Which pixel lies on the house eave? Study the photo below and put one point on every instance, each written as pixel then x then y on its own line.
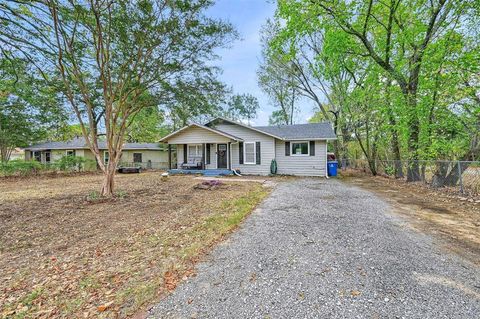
pixel 166 138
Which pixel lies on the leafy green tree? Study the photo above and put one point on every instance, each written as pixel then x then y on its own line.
pixel 278 85
pixel 407 58
pixel 396 35
pixel 28 106
pixel 242 107
pixel 147 126
pixel 115 58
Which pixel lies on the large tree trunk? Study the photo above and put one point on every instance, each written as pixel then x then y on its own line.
pixel 109 180
pixel 413 168
pixel 395 147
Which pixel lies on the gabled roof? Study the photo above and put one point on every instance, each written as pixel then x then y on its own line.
pixel 80 143
pixel 241 124
pixel 165 139
pixel 310 131
pixel 323 131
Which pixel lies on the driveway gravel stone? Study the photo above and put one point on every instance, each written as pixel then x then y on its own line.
pixel 320 248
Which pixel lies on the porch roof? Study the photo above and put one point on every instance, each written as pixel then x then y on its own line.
pixel 208 130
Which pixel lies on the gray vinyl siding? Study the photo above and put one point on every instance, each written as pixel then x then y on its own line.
pixel 267 149
pixel 301 165
pixel 197 135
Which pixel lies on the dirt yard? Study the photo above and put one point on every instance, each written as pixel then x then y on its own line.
pixel 66 253
pixel 453 219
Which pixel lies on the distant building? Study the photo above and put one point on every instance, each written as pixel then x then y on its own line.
pixel 147 155
pixel 17 154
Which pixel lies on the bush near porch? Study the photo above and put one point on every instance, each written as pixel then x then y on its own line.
pixel 66 253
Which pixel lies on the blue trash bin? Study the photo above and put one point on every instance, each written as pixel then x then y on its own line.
pixel 332 168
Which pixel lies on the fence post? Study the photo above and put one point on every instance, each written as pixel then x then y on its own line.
pixel 460 181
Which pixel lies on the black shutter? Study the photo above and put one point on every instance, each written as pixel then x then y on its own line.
pixel 185 153
pixel 287 148
pixel 257 145
pixel 240 152
pixel 312 148
pixel 208 153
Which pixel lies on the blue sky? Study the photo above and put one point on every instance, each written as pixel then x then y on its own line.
pixel 240 62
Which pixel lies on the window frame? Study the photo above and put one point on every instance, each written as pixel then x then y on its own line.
pixel 72 151
pixel 49 157
pixel 254 153
pixel 198 150
pixel 37 158
pixel 299 142
pixel 141 157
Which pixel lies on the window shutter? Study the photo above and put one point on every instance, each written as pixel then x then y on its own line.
pixel 208 153
pixel 287 148
pixel 240 152
pixel 257 152
pixel 312 148
pixel 185 150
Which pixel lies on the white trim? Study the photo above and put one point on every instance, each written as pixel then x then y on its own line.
pixel 245 153
pixel 216 156
pixel 298 142
pixel 165 139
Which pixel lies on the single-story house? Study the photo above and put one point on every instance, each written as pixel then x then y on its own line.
pixel 147 155
pixel 223 144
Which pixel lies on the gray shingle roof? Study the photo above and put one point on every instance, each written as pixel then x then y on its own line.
pixel 79 143
pixel 322 130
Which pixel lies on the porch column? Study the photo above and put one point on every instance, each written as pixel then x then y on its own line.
pixel 229 162
pixel 203 155
pixel 169 156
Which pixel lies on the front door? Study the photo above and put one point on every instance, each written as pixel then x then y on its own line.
pixel 221 155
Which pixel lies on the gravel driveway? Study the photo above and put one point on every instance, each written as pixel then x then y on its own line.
pixel 320 248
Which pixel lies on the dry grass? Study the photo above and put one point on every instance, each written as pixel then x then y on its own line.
pixel 64 253
pixel 451 218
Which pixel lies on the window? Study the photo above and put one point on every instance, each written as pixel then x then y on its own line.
pixel 37 156
pixel 249 150
pixel 70 152
pixel 300 148
pixel 47 157
pixel 194 150
pixel 106 157
pixel 137 157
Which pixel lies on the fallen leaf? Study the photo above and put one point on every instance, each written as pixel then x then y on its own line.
pixel 104 307
pixel 355 293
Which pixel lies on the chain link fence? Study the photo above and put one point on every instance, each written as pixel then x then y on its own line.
pixel 454 176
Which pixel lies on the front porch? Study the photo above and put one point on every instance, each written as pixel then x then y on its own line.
pixel 204 172
pixel 200 150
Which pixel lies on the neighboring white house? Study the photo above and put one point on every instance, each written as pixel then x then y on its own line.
pixel 224 144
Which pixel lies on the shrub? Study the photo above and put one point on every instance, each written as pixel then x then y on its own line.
pixel 390 170
pixel 20 167
pixel 71 163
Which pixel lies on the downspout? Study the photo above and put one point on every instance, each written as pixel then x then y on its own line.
pixel 326 159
